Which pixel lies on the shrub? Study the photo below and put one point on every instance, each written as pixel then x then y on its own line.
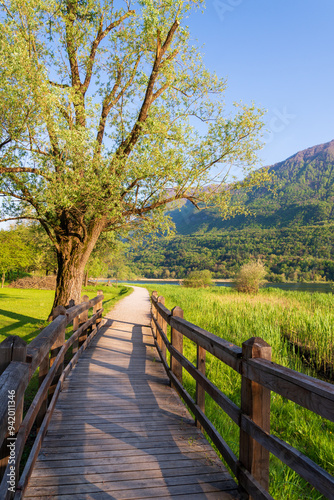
pixel 250 277
pixel 198 279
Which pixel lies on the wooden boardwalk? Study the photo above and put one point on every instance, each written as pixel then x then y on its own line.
pixel 119 431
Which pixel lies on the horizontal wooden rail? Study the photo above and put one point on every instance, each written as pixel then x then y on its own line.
pixel 259 376
pixel 16 376
pixel 311 393
pixel 229 353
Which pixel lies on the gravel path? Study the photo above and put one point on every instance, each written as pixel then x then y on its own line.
pixel 134 308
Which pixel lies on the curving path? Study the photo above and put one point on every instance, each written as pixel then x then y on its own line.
pixel 119 431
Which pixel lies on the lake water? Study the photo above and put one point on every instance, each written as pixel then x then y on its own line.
pixel 301 287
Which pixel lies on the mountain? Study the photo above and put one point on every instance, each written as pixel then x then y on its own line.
pixel 304 194
pixel 291 231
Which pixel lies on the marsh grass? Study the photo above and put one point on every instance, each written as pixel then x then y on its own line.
pixel 271 314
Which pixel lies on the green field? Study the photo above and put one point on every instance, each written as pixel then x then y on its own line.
pixel 272 314
pixel 24 312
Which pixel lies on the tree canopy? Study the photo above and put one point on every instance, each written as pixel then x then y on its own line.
pixel 100 102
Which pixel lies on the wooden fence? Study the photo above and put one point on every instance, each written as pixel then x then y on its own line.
pixel 18 363
pixel 259 376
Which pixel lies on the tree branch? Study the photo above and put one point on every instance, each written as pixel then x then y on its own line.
pixel 126 147
pixel 15 170
pixel 131 186
pixel 70 44
pixel 5 142
pixel 99 37
pixel 111 100
pixel 19 218
pixel 59 85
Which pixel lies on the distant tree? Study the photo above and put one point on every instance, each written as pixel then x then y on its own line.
pixel 14 254
pixel 198 279
pixel 250 277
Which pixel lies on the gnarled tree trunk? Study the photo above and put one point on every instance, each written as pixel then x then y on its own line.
pixel 72 257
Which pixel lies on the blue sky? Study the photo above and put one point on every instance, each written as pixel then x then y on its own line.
pixel 279 54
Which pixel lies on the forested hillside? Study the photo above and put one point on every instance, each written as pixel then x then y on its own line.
pixel 291 228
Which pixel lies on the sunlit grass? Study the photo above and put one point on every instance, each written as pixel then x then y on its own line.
pixel 272 315
pixel 24 312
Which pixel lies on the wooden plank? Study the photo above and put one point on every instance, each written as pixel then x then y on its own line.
pixel 296 460
pixel 75 484
pixel 43 371
pixel 221 399
pixel 313 394
pixel 227 352
pixel 255 404
pixel 14 378
pixel 117 416
pixel 75 311
pixel 200 392
pixel 177 343
pixel 41 345
pixel 249 484
pixel 126 450
pixel 138 493
pixel 162 310
pixel 120 441
pixel 15 351
pixel 43 467
pixel 138 427
pixel 230 495
pixel 200 472
pixel 98 468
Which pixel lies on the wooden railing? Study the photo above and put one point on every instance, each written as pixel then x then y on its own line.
pixel 18 363
pixel 259 376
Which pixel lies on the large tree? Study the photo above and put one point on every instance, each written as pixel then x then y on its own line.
pixel 100 101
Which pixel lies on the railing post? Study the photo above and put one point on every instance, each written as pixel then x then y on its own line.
pixel 200 392
pixel 163 326
pixel 59 310
pixel 43 371
pixel 99 306
pixel 153 312
pixel 82 319
pixel 96 307
pixel 13 348
pixel 177 343
pixel 255 403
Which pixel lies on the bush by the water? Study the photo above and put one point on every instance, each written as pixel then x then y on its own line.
pixel 198 279
pixel 250 277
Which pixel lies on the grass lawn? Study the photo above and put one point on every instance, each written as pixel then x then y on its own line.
pixel 24 312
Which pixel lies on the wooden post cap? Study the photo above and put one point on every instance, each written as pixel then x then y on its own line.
pixel 177 311
pixel 256 348
pixel 84 298
pixel 57 311
pixel 161 299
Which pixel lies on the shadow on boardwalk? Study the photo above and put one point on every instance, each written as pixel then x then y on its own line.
pixel 119 431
